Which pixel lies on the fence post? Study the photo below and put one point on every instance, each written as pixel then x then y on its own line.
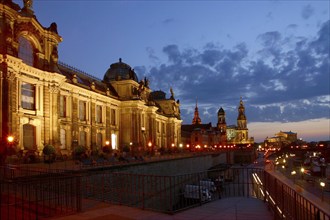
pixel 78 193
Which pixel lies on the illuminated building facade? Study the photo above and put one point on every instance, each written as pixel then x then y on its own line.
pixel 281 139
pixel 44 101
pixel 204 135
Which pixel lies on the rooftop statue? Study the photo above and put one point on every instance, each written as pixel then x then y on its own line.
pixel 28 4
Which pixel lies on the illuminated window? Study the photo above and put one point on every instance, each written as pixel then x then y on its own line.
pixel 28 92
pixel 29 139
pixel 114 141
pixel 63 106
pixel 25 50
pixel 82 110
pixel 99 114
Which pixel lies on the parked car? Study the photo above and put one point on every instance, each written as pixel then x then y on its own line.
pixel 197 193
pixel 208 184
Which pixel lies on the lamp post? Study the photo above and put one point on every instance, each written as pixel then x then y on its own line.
pixel 293 173
pixel 150 148
pixel 302 170
pixel 322 184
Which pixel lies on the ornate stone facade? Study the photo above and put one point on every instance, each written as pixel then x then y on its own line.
pixel 43 101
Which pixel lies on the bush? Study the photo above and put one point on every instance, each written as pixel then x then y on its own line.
pixel 126 149
pixel 106 150
pixel 78 151
pixel 48 150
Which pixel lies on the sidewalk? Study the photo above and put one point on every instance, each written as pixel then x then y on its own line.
pixel 226 209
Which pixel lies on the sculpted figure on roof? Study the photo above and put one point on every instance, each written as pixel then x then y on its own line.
pixel 28 4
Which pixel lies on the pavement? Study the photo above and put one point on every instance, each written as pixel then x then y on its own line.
pixel 228 209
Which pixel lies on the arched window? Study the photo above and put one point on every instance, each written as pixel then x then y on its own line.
pixel 25 50
pixel 29 139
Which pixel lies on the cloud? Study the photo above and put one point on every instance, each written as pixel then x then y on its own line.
pixel 168 21
pixel 287 79
pixel 307 12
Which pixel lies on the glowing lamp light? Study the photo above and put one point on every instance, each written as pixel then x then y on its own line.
pixel 322 184
pixel 10 139
pixel 302 170
pixel 180 145
pixel 172 144
pixel 187 145
pixel 149 144
pixel 107 143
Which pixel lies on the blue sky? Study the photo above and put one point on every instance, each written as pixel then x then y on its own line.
pixel 274 54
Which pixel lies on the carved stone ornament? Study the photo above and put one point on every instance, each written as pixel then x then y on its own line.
pixel 54 89
pixel 11 75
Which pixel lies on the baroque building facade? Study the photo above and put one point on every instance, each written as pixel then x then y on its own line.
pixel 198 135
pixel 44 101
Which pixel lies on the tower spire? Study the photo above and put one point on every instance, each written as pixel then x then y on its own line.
pixel 196 120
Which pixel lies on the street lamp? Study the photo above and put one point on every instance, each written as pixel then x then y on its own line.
pixel 322 184
pixel 293 173
pixel 302 170
pixel 10 139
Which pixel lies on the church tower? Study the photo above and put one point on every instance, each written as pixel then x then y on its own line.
pixel 196 120
pixel 242 130
pixel 222 125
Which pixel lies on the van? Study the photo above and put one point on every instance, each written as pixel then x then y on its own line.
pixel 208 184
pixel 197 192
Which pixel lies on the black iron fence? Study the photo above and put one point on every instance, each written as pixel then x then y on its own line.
pixel 28 194
pixel 40 194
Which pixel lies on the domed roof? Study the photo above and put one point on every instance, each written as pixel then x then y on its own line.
pixel 119 71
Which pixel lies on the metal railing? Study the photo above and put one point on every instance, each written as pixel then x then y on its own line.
pixel 28 194
pixel 39 194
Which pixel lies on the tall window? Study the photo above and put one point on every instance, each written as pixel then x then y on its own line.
pixel 99 139
pixel 28 92
pixel 82 111
pixel 99 114
pixel 63 106
pixel 25 50
pixel 63 139
pixel 29 139
pixel 113 117
pixel 83 137
pixel 114 141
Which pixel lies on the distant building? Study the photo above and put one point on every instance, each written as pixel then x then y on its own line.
pixel 281 139
pixel 205 135
pixel 43 101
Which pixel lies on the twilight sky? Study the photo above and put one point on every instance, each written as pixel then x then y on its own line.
pixel 274 54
